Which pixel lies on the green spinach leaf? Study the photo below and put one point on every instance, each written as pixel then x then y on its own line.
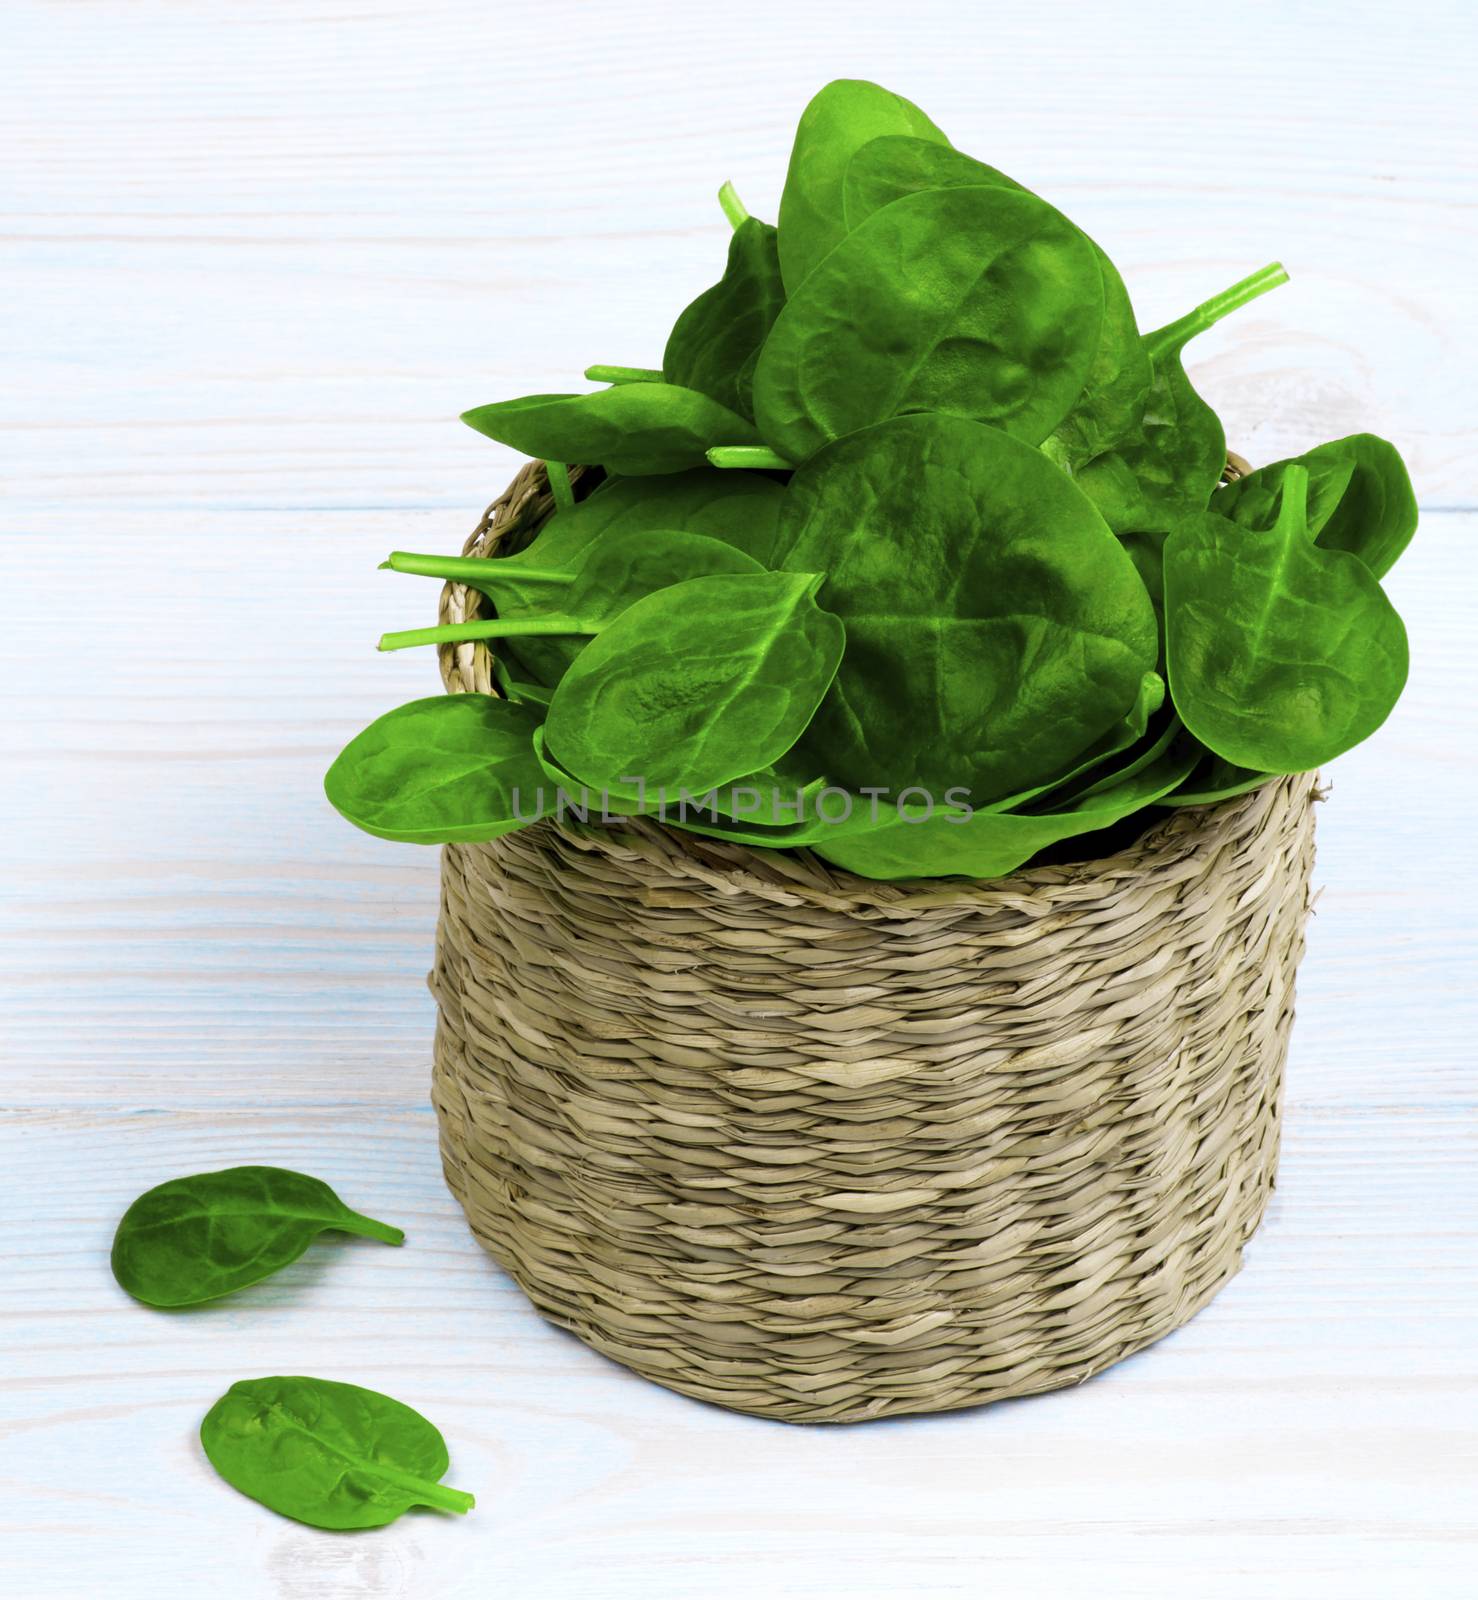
pixel 840 119
pixel 332 1455
pixel 1360 499
pixel 454 768
pixel 1213 779
pixel 195 1239
pixel 981 303
pixel 995 627
pixel 632 428
pixel 1168 468
pixel 697 684
pixel 1114 392
pixel 715 342
pixel 1282 654
pixel 935 843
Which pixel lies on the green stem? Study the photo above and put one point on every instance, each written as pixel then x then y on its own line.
pixel 1293 509
pixel 559 485
pixel 1206 315
pixel 728 198
pixel 622 375
pixel 442 1497
pixel 496 628
pixel 757 456
pixel 368 1228
pixel 475 571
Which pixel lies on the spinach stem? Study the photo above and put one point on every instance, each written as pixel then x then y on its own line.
pixel 368 1228
pixel 496 628
pixel 475 571
pixel 748 455
pixel 622 375
pixel 728 198
pixel 1293 509
pixel 1206 315
pixel 559 485
pixel 442 1497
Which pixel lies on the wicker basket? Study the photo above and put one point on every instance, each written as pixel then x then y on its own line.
pixel 828 1149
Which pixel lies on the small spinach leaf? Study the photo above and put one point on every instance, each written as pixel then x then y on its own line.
pixel 1360 499
pixel 456 768
pixel 332 1455
pixel 982 303
pixel 1281 654
pixel 716 341
pixel 197 1238
pixel 632 428
pixel 697 684
pixel 840 119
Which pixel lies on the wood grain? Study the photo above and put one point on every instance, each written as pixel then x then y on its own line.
pixel 259 258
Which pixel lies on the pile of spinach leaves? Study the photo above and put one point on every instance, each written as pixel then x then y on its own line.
pixel 915 527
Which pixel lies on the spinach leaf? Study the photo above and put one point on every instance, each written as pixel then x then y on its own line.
pixel 840 119
pixel 995 627
pixel 332 1455
pixel 751 809
pixel 631 428
pixel 716 341
pixel 1282 654
pixel 982 303
pixel 697 684
pixel 1168 468
pixel 986 844
pixel 1097 765
pixel 1213 779
pixel 609 578
pixel 1118 381
pixel 1360 499
pixel 195 1239
pixel 453 768
pixel 741 508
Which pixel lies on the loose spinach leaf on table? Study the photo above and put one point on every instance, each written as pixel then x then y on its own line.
pixel 995 627
pixel 715 342
pixel 1113 396
pixel 982 303
pixel 332 1455
pixel 840 119
pixel 633 428
pixel 197 1238
pixel 1281 654
pixel 1360 499
pixel 449 769
pixel 697 684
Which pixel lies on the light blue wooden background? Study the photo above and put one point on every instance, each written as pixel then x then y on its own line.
pixel 255 259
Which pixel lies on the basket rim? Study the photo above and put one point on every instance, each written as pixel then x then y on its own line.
pixel 795 874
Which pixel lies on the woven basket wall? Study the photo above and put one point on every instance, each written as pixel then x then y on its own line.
pixel 822 1148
